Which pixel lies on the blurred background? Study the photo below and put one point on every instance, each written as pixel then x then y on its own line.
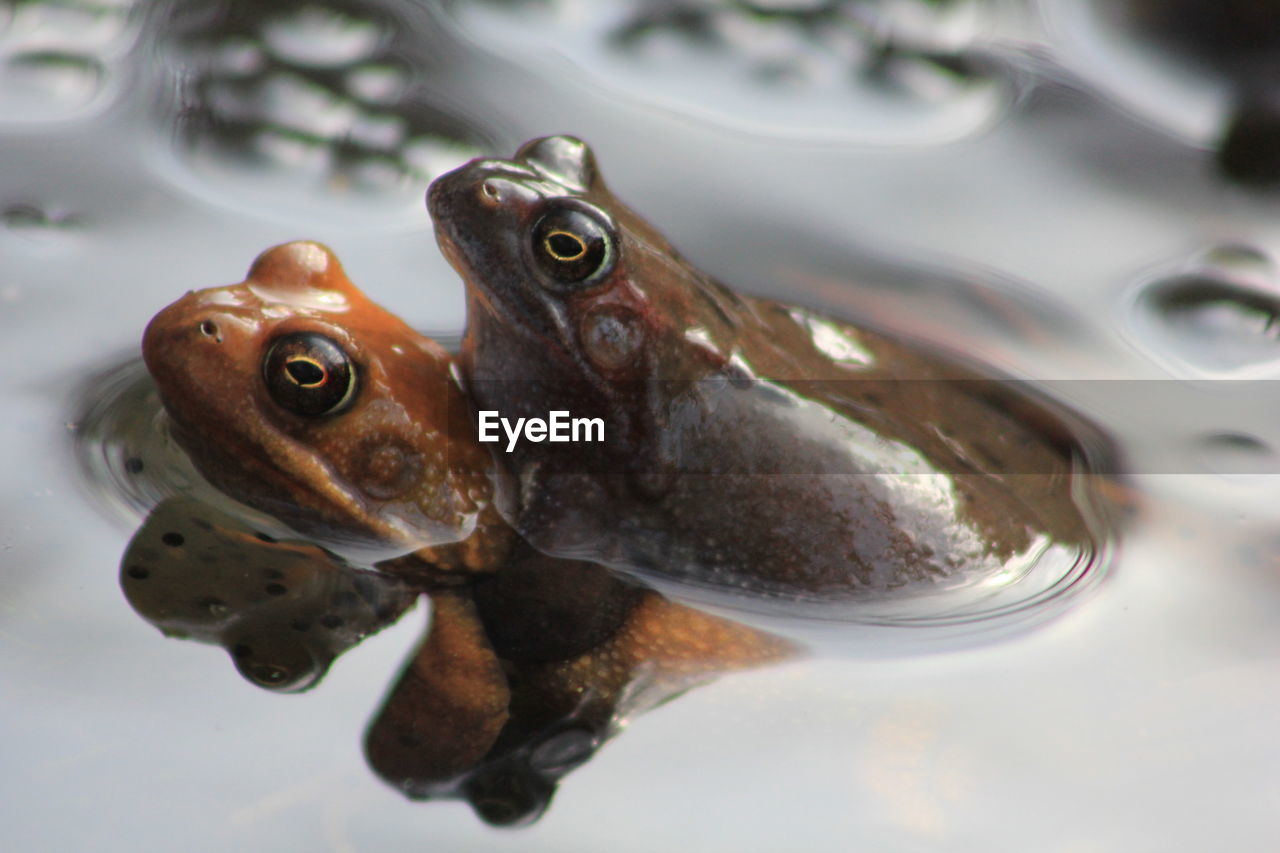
pixel 1084 195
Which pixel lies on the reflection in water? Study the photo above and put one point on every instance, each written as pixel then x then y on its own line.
pixel 283 610
pixel 521 681
pixel 518 680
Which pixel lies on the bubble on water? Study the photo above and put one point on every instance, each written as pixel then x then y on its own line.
pixel 85 27
pixel 281 113
pixel 321 38
pixel 384 131
pixel 1218 316
pixel 372 173
pixel 239 57
pixel 295 103
pixel 1242 260
pixel 1238 457
pixel 895 71
pixel 57 58
pixel 44 85
pixel 377 84
pixel 33 219
pixel 293 150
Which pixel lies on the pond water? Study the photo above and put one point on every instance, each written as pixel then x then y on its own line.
pixel 1055 189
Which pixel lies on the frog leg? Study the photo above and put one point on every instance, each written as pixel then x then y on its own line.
pixel 447 708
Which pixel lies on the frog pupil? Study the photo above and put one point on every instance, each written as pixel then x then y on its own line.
pixel 572 245
pixel 305 371
pixel 564 246
pixel 309 374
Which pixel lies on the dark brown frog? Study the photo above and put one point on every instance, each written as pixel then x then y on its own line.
pixel 753 450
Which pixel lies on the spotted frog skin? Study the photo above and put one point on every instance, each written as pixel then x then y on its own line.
pixel 758 452
pixel 296 395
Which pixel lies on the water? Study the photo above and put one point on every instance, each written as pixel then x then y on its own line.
pixel 1053 207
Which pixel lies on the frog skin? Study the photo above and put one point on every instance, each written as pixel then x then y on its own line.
pixel 521 647
pixel 757 454
pixel 369 445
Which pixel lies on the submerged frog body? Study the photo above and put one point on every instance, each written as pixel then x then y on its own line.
pixel 296 395
pixel 522 678
pixel 754 450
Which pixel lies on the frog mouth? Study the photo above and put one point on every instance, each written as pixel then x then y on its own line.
pixel 451 252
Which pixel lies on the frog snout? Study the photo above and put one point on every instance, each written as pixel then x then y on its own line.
pixel 482 188
pixel 188 330
pixel 458 193
pixel 183 323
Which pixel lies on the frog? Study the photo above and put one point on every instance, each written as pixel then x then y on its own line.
pixel 286 391
pixel 759 455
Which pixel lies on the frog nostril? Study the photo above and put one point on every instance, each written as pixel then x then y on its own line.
pixel 209 329
pixel 490 192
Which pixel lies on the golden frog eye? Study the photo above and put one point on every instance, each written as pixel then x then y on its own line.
pixel 573 246
pixel 309 374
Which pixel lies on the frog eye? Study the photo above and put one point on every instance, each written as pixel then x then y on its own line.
pixel 309 374
pixel 573 246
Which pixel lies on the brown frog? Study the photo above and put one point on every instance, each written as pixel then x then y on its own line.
pixel 295 394
pixel 758 453
pixel 288 391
